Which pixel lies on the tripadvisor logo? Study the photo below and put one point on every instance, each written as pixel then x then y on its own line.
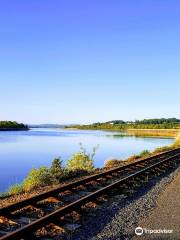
pixel 139 231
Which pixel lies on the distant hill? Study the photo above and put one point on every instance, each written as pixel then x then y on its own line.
pixel 147 121
pixel 49 125
pixel 46 125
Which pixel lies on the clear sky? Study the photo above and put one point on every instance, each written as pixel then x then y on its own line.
pixel 67 61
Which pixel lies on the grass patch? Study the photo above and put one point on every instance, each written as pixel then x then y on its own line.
pixel 4 195
pixel 112 163
pixel 144 153
pixel 177 142
pixel 162 149
pixel 15 189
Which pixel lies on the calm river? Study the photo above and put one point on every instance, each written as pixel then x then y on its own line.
pixel 20 151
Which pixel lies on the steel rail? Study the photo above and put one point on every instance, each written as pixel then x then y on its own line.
pixel 74 206
pixel 32 200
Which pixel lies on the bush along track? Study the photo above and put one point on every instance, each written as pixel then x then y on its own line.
pixel 50 213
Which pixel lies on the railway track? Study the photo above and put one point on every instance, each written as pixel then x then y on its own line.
pixel 24 219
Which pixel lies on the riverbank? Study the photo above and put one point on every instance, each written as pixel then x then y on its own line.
pixel 80 164
pixel 153 132
pixel 164 133
pixel 97 215
pixel 130 208
pixel 43 179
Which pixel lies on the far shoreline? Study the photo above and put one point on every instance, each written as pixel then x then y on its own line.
pixel 14 129
pixel 162 133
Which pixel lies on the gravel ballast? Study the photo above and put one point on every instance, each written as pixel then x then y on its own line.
pixel 118 218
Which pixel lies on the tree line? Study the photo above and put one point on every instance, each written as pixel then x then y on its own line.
pixel 12 125
pixel 161 123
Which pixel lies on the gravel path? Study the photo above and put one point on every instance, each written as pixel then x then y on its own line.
pixel 166 214
pixel 117 219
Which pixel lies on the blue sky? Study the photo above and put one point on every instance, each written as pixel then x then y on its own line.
pixel 66 61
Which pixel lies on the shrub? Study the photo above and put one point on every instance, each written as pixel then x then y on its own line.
pixel 15 189
pixel 37 178
pixel 177 141
pixel 132 158
pixel 162 149
pixel 82 160
pixel 144 153
pixel 112 163
pixel 56 170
